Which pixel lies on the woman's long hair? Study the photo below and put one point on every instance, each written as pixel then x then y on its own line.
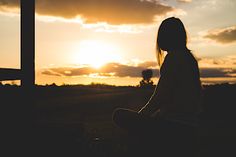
pixel 171 36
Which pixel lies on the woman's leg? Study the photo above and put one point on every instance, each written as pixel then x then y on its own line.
pixel 132 122
pixel 145 133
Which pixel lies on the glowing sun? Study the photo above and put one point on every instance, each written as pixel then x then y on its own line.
pixel 96 53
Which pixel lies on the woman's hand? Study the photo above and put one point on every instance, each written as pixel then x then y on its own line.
pixel 144 111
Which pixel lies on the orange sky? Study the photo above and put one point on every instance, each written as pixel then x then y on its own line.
pixel 83 41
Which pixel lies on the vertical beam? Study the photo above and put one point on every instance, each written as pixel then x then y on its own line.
pixel 25 115
pixel 28 43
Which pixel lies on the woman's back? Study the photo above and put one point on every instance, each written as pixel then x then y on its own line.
pixel 184 98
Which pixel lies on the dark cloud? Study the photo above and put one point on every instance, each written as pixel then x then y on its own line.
pixel 10 3
pixel 93 11
pixel 184 1
pixel 49 72
pixel 121 70
pixel 217 72
pixel 111 69
pixel 224 36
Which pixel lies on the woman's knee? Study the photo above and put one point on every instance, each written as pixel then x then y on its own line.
pixel 123 117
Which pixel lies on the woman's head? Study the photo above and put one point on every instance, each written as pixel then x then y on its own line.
pixel 171 36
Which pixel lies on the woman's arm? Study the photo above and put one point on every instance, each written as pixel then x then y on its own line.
pixel 151 105
pixel 164 89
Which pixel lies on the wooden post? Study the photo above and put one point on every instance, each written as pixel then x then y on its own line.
pixel 28 43
pixel 26 115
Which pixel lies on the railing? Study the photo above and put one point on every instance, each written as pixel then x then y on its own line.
pixel 27 72
pixel 10 74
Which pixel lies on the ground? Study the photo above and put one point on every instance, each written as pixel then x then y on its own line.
pixel 77 120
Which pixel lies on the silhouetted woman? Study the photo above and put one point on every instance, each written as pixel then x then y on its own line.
pixel 176 99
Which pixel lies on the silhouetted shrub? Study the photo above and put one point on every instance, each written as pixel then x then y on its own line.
pixel 146 81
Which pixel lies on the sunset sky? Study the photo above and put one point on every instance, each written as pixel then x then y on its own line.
pixel 112 41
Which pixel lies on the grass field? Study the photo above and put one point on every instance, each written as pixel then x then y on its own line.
pixel 77 120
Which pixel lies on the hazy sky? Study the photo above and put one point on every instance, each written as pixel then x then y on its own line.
pixel 112 41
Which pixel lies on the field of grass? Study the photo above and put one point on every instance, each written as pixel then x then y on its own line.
pixel 90 106
pixel 77 120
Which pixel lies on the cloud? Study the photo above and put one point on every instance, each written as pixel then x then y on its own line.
pixel 114 12
pixel 223 67
pixel 122 70
pixel 223 36
pixel 10 3
pixel 217 72
pixel 51 73
pixel 108 70
pixel 149 64
pixel 184 1
pixel 220 62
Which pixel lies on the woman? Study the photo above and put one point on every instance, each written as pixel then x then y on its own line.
pixel 176 98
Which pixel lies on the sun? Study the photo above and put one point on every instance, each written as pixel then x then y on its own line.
pixel 96 53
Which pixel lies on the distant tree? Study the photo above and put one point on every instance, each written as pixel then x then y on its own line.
pixel 53 85
pixel 146 81
pixel 64 84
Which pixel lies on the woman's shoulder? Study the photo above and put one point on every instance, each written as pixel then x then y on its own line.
pixel 172 59
pixel 185 57
pixel 179 60
pixel 169 63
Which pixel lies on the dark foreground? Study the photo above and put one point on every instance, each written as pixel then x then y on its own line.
pixel 76 121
